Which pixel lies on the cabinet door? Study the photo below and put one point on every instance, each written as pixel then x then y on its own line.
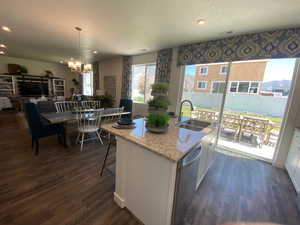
pixel 293 160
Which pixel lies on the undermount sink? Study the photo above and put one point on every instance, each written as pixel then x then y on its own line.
pixel 195 125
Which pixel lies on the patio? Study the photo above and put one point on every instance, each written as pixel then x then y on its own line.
pixel 246 135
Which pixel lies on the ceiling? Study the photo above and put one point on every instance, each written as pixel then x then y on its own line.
pixel 44 30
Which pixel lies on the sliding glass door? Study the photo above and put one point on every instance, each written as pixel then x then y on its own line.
pixel 247 99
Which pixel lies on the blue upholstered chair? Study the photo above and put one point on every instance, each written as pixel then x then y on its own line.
pixel 127 104
pixel 39 128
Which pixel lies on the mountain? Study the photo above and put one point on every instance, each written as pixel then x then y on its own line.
pixel 271 85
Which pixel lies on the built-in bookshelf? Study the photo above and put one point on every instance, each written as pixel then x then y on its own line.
pixel 59 87
pixel 32 86
pixel 7 85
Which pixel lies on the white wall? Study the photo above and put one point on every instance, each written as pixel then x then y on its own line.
pixel 36 67
pixel 292 116
pixel 112 67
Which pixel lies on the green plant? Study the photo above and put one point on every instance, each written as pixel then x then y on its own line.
pixel 157 120
pixel 107 101
pixel 158 103
pixel 160 87
pixel 75 82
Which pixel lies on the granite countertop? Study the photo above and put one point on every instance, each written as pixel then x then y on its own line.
pixel 173 144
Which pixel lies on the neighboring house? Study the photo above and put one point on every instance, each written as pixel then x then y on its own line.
pixel 245 77
pixel 188 85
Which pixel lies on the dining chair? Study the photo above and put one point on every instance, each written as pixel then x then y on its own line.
pixel 67 106
pixel 91 104
pixel 46 107
pixel 88 123
pixel 40 128
pixel 107 114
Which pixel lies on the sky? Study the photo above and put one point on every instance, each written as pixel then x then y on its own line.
pixel 277 69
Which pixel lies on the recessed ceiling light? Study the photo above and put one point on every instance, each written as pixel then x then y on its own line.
pixel 2 53
pixel 200 22
pixel 61 61
pixel 95 52
pixel 5 28
pixel 2 46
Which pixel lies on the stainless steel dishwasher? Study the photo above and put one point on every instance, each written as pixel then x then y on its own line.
pixel 186 182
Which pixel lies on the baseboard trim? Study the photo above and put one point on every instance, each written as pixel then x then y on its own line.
pixel 120 202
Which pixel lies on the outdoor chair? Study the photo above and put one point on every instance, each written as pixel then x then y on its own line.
pixel 231 123
pixel 255 128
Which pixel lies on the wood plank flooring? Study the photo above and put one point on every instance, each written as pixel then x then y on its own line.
pixel 241 189
pixel 59 187
pixel 62 187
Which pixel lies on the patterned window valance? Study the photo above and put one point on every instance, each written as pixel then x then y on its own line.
pixel 163 65
pixel 126 77
pixel 273 44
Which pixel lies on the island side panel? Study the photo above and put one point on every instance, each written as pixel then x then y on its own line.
pixel 145 183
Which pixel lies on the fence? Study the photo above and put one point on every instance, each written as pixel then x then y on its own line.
pixel 265 105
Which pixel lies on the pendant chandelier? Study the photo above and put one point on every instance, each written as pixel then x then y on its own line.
pixel 78 66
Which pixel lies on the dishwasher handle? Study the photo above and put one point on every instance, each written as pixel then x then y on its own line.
pixel 193 159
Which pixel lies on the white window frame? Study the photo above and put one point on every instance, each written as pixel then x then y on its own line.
pixel 221 68
pixel 203 74
pixel 212 85
pixel 145 64
pixel 250 82
pixel 90 73
pixel 205 82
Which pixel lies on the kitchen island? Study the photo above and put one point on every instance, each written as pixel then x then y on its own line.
pixel 148 165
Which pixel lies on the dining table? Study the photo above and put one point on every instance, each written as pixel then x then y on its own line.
pixel 70 116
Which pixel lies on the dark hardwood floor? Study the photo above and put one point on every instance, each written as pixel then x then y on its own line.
pixel 58 187
pixel 62 187
pixel 241 189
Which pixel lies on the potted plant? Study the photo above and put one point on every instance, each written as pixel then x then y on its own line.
pixel 157 123
pixel 157 107
pixel 159 103
pixel 106 101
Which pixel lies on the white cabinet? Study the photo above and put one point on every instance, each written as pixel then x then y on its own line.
pixel 7 85
pixel 59 87
pixel 207 156
pixel 293 160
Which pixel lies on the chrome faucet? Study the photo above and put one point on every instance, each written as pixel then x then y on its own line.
pixel 180 111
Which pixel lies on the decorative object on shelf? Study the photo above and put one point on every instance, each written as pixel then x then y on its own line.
pixel 79 66
pixel 48 73
pixel 13 68
pixel 23 70
pixel 157 120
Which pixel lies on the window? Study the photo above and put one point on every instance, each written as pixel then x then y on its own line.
pixel 223 69
pixel 234 86
pixel 87 79
pixel 202 85
pixel 254 87
pixel 203 70
pixel 218 87
pixel 143 77
pixel 244 87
